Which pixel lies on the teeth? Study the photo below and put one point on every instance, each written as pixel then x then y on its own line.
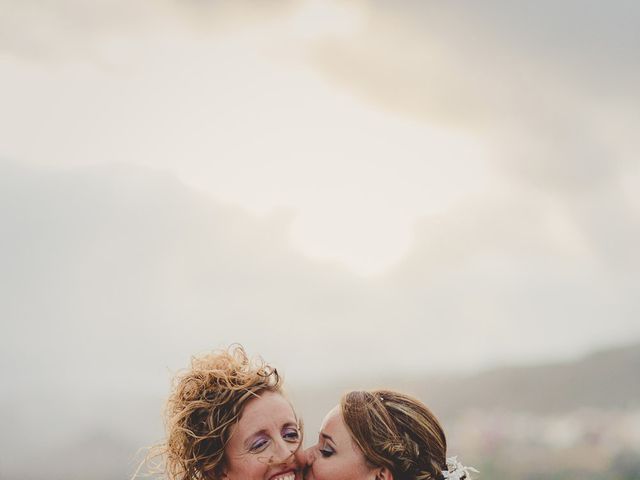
pixel 288 476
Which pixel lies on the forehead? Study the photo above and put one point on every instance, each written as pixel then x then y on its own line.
pixel 269 409
pixel 334 426
pixel 332 419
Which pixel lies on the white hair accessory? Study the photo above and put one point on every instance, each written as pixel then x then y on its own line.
pixel 457 471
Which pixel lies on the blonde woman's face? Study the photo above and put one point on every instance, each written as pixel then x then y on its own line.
pixel 264 444
pixel 336 456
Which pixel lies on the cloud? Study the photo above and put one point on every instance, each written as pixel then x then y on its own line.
pixel 69 30
pixel 468 62
pixel 109 256
pixel 550 86
pixel 114 275
pixel 555 206
pixel 518 275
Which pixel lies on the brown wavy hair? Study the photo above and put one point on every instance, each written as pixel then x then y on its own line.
pixel 205 403
pixel 396 431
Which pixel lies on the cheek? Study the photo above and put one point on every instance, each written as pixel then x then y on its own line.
pixel 341 467
pixel 301 458
pixel 249 468
pixel 327 469
pixel 256 468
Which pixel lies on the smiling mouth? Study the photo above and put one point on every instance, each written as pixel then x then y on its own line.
pixel 290 475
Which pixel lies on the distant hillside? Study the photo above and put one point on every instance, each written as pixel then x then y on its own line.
pixel 608 379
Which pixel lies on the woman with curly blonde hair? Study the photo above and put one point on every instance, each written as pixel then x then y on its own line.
pixel 227 418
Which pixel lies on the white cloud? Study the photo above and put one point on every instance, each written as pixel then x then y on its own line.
pixel 243 114
pixel 354 134
pixel 480 157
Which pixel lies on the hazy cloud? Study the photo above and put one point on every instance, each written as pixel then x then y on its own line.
pixel 112 256
pixel 470 61
pixel 505 133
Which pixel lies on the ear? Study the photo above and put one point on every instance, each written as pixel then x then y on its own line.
pixel 383 473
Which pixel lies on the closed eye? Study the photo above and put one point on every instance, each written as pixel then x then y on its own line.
pixel 326 452
pixel 259 445
pixel 291 434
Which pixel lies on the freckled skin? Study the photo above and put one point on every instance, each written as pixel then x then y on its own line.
pixel 266 421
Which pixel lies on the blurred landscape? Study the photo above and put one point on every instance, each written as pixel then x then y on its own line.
pixel 110 275
pixel 574 420
pixel 577 420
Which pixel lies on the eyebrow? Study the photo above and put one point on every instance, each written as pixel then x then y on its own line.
pixel 251 438
pixel 264 431
pixel 328 437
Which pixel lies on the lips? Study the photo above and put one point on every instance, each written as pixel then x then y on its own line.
pixel 286 475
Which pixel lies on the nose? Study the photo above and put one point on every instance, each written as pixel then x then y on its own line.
pixel 310 455
pixel 283 453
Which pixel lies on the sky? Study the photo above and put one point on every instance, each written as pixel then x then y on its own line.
pixel 345 187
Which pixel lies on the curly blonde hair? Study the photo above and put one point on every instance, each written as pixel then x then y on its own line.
pixel 396 431
pixel 205 403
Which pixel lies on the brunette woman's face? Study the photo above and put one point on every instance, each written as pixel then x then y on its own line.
pixel 336 456
pixel 264 444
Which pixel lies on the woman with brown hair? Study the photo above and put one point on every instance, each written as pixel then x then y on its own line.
pixel 227 418
pixel 382 435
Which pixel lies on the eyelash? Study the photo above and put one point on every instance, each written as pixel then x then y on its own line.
pixel 291 435
pixel 256 447
pixel 288 435
pixel 326 453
